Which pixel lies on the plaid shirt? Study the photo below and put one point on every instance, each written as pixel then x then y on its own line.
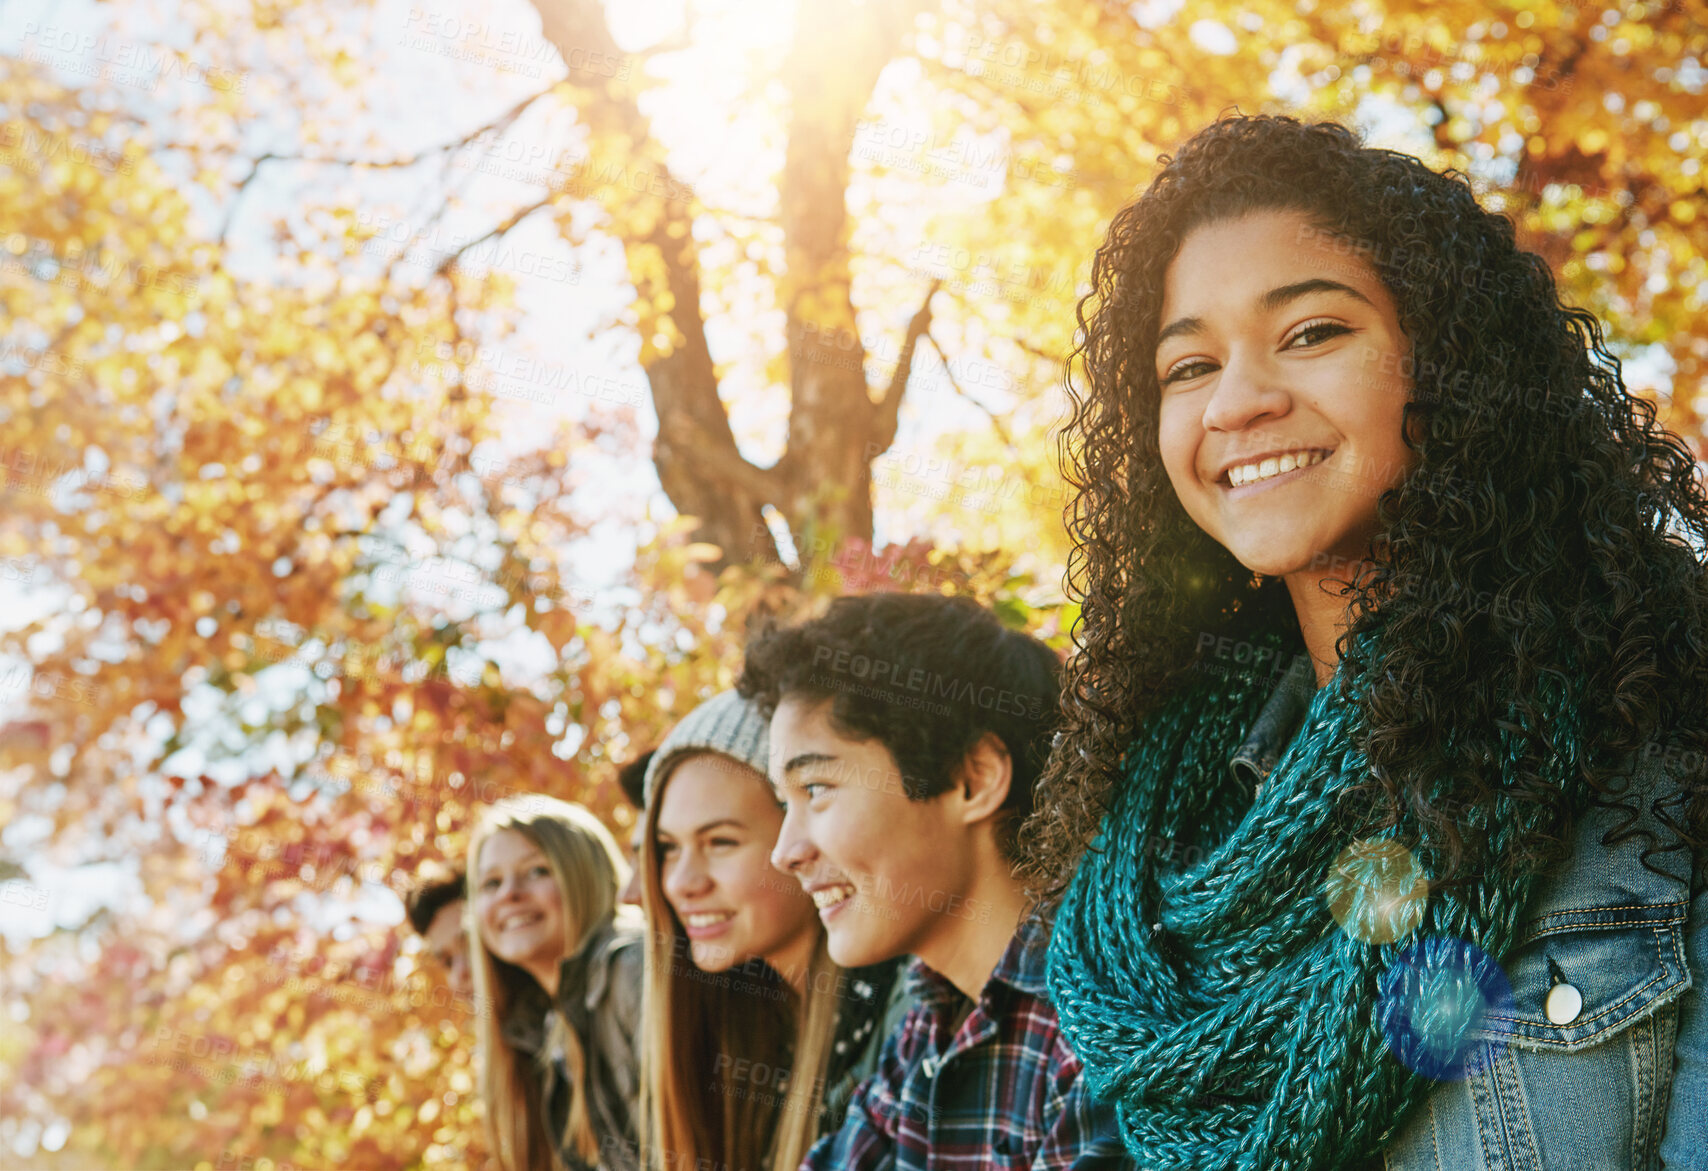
pixel 1001 1092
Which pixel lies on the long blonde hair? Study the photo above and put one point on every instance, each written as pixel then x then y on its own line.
pixel 589 870
pixel 702 1029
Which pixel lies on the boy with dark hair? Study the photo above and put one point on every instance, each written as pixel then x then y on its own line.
pixel 632 778
pixel 907 733
pixel 435 907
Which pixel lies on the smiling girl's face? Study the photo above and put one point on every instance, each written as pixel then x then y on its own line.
pixel 1279 366
pixel 717 822
pixel 518 905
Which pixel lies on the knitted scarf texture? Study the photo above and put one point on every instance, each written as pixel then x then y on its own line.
pixel 1218 1004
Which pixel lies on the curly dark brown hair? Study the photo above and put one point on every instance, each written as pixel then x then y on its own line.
pixel 924 675
pixel 631 778
pixel 1547 529
pixel 436 887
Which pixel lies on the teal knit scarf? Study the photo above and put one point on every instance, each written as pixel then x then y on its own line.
pixel 1232 1019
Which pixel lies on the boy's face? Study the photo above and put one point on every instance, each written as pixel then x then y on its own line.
pixel 632 890
pixel 449 943
pixel 889 875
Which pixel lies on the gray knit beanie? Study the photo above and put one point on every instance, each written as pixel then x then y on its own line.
pixel 726 723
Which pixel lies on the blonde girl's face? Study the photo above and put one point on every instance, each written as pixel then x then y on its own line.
pixel 517 904
pixel 717 822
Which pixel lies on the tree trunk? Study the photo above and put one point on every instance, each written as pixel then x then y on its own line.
pixel 822 485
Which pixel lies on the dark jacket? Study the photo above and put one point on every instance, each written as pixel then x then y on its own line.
pixel 876 1000
pixel 599 999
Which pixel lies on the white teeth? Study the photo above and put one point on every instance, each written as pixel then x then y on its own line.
pixel 514 921
pixel 1274 466
pixel 708 918
pixel 829 896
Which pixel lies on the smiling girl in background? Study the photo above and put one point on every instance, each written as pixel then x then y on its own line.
pixel 1428 898
pixel 755 1038
pixel 557 978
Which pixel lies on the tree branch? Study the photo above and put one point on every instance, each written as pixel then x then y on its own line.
pixel 889 407
pixel 503 121
pixel 699 464
pixel 683 433
pixel 498 230
pixel 1028 347
pixel 833 64
pixel 1001 428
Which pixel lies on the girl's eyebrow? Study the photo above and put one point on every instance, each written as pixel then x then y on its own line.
pixel 1269 302
pixel 1180 325
pixel 1276 298
pixel 527 859
pixel 665 835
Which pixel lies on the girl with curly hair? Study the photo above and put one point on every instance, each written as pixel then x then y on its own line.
pixel 1379 813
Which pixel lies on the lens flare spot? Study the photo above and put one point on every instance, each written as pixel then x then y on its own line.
pixel 1436 1004
pixel 1376 891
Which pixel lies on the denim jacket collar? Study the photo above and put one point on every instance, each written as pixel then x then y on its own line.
pixel 1275 725
pixel 584 981
pixel 588 970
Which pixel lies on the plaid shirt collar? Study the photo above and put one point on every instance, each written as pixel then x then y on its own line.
pixel 989 1086
pixel 1023 967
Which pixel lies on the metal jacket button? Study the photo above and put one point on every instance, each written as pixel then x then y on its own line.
pixel 1564 1000
pixel 1564 1003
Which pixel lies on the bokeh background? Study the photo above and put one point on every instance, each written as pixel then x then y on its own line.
pixel 405 404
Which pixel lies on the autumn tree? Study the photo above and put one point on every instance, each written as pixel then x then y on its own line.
pixel 296 592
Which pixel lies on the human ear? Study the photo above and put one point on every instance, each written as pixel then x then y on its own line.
pixel 983 779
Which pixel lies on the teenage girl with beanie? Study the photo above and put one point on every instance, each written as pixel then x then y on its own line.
pixel 754 1037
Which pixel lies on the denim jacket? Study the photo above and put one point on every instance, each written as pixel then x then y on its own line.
pixel 1619 1084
